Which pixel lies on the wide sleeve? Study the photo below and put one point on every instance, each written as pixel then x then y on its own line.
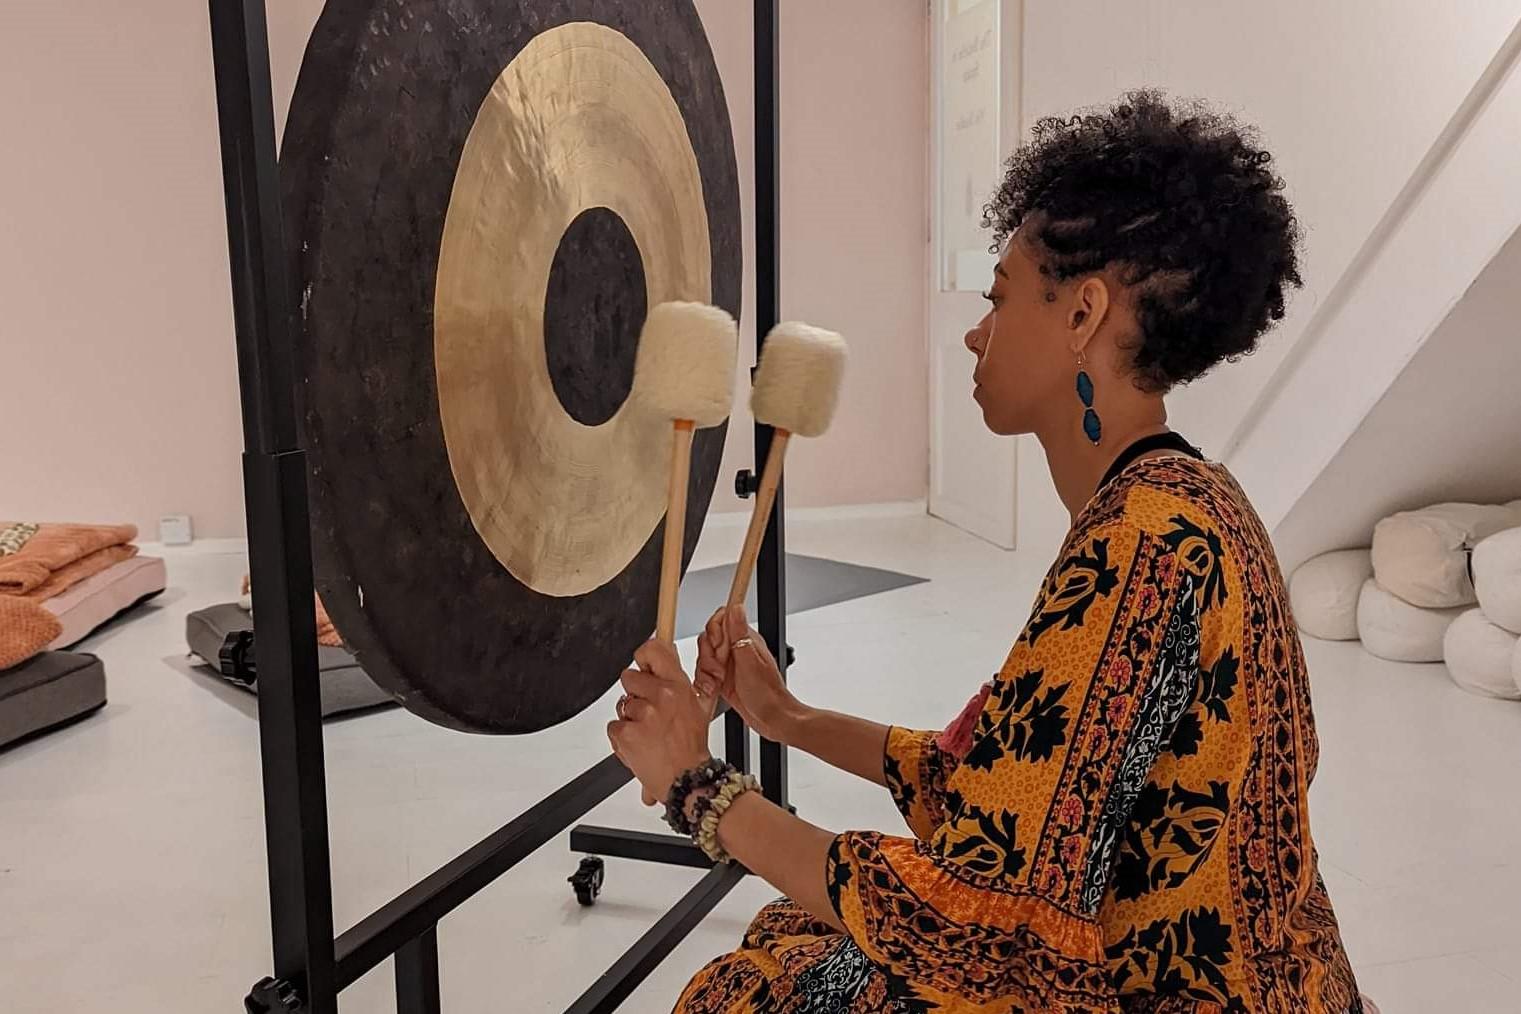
pixel 1001 901
pixel 916 770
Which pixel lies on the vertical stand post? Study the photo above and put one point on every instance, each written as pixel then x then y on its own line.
pixel 274 476
pixel 417 975
pixel 771 575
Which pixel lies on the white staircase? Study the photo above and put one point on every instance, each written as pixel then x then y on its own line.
pixel 1355 418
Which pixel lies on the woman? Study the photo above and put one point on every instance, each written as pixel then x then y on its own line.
pixel 1118 822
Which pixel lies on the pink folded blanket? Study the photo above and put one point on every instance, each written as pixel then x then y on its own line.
pixel 56 556
pixel 64 578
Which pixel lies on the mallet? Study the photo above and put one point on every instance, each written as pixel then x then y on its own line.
pixel 684 372
pixel 797 386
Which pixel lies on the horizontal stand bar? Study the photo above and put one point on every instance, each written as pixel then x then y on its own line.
pixel 419 908
pixel 620 981
pixel 613 842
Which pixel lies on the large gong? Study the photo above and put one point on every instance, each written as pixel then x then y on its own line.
pixel 483 199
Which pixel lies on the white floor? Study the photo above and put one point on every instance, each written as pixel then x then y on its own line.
pixel 131 845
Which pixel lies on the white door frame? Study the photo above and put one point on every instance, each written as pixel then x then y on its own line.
pixel 973 474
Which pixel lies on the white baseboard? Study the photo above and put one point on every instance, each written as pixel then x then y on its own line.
pixel 846 512
pixel 200 547
pixel 726 519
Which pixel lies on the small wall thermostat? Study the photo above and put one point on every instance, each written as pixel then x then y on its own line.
pixel 174 530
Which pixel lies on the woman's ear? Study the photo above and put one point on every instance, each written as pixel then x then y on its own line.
pixel 1089 307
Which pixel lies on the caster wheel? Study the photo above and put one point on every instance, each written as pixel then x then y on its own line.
pixel 588 878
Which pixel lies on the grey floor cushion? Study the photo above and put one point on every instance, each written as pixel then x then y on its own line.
pixel 345 686
pixel 49 690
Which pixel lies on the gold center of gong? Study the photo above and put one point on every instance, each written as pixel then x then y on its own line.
pixel 579 119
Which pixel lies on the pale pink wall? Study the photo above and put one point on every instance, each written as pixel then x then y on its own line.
pixel 114 303
pixel 116 322
pixel 855 201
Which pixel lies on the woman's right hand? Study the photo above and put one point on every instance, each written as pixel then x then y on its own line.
pixel 746 675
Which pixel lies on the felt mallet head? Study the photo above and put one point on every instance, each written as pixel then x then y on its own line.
pixel 797 383
pixel 684 369
pixel 797 386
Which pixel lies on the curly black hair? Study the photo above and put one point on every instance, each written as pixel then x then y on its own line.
pixel 1182 202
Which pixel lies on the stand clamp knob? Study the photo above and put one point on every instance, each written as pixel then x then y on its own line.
pixel 746 484
pixel 273 996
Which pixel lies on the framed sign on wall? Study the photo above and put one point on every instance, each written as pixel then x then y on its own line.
pixel 968 137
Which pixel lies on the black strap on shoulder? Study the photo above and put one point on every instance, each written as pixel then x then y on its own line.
pixel 1168 441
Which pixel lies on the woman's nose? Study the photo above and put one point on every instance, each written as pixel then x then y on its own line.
pixel 975 341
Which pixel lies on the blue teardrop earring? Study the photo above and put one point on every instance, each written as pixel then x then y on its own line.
pixel 1093 427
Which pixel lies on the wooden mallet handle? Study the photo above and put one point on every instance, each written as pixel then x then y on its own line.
pixel 675 530
pixel 765 499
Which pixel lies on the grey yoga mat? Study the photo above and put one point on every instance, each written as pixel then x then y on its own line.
pixel 811 584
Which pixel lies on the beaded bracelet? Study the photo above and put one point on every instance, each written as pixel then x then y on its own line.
pixel 704 776
pixel 711 808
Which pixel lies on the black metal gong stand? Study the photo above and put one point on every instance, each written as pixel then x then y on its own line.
pixel 311 965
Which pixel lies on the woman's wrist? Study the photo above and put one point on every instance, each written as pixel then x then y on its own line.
pixel 792 722
pixel 690 763
pixel 688 787
pixel 711 807
pixel 700 797
pixel 839 740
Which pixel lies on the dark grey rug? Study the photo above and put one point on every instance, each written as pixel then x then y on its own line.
pixel 811 584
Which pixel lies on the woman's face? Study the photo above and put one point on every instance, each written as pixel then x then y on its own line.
pixel 1026 358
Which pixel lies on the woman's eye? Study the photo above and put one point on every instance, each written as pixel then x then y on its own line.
pixel 988 295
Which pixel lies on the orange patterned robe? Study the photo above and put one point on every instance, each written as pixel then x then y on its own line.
pixel 1129 829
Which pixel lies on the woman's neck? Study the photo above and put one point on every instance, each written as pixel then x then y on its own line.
pixel 1077 465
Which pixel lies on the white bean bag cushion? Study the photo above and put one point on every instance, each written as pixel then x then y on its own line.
pixel 1497 578
pixel 1480 656
pixel 1422 556
pixel 1392 628
pixel 1324 593
pixel 1515 665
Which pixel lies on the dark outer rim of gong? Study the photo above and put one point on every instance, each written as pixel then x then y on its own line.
pixel 368 163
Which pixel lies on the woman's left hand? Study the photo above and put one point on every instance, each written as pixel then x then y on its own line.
pixel 662 728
